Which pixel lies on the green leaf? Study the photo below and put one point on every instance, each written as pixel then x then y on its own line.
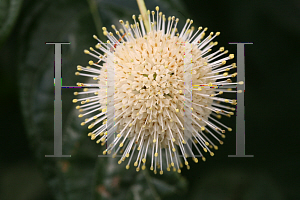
pixel 64 21
pixel 122 184
pixel 9 11
pixel 84 175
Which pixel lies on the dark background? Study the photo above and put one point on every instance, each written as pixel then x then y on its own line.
pixel 271 104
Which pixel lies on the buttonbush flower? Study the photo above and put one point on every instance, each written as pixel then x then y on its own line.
pixel 153 94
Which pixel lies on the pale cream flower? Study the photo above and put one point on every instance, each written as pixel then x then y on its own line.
pixel 144 87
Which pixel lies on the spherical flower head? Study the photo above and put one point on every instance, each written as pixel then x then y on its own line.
pixel 155 91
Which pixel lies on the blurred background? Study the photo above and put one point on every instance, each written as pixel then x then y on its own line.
pixel 26 76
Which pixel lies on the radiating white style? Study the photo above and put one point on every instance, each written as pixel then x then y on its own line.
pixel 145 83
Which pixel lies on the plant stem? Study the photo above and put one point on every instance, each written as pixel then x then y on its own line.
pixel 143 11
pixel 97 19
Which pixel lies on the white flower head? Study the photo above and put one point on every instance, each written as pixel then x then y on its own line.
pixel 154 91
